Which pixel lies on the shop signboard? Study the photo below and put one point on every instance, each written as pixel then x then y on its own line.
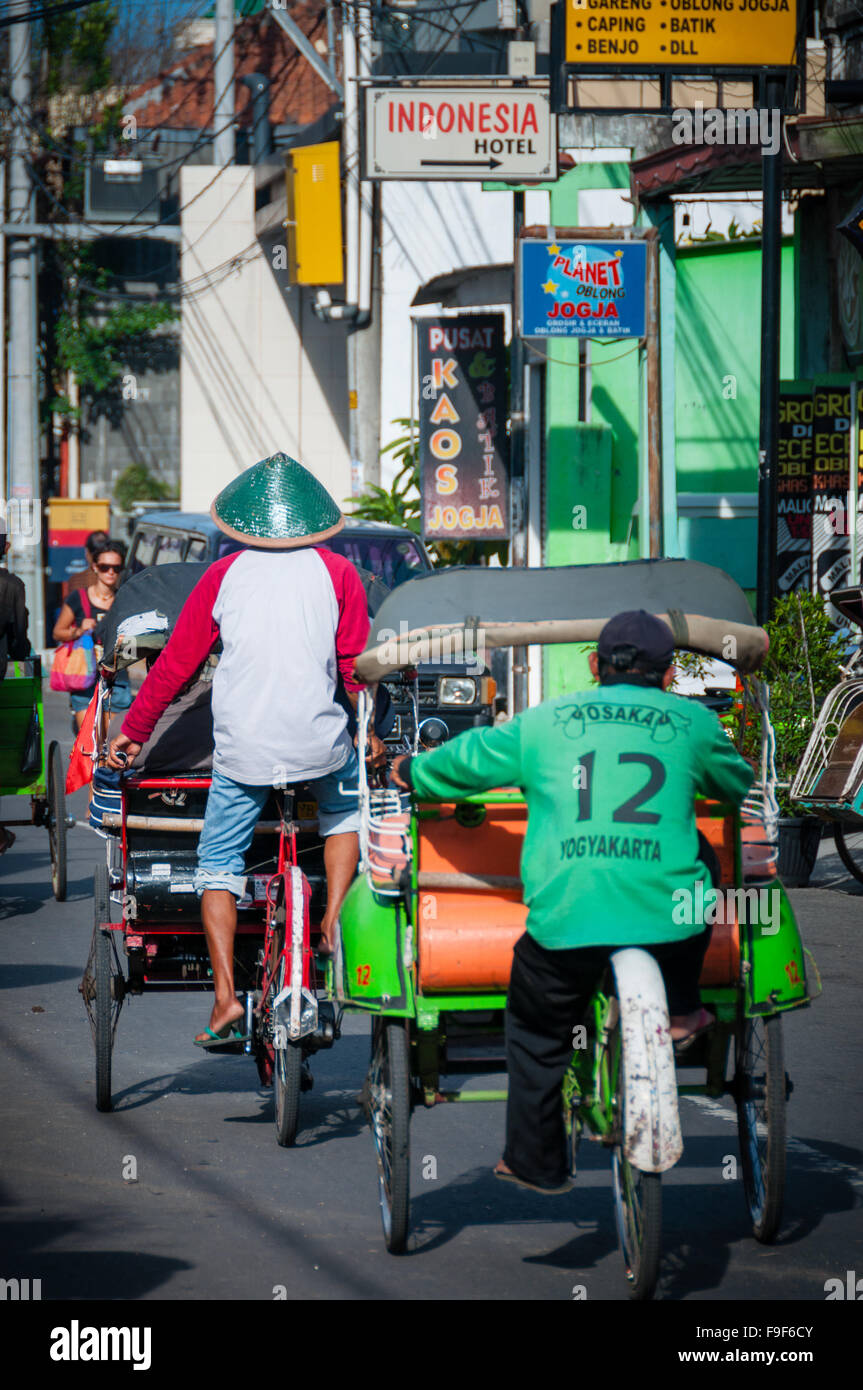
pixel 464 450
pixel 582 289
pixel 794 488
pixel 831 525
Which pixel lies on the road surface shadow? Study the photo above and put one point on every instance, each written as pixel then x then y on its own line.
pixel 84 1274
pixel 21 976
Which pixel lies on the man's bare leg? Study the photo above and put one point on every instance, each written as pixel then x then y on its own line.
pixel 341 856
pixel 219 916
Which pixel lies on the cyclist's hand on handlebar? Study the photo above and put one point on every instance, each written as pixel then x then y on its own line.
pixel 122 752
pixel 396 773
pixel 376 753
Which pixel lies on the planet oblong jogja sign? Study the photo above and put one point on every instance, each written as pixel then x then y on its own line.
pixel 464 449
pixel 582 289
pixel 459 132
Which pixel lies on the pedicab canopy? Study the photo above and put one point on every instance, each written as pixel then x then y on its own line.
pixel 704 607
pixel 144 613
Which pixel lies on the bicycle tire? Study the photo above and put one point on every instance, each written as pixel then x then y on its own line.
pixel 104 1032
pixel 761 1101
pixel 287 1072
pixel 849 850
pixel 389 1113
pixel 637 1200
pixel 57 822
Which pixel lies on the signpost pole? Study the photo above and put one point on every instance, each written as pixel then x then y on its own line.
pixel 768 439
pixel 654 399
pixel 853 481
pixel 518 554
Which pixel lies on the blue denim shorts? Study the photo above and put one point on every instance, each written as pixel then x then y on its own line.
pixel 121 697
pixel 234 809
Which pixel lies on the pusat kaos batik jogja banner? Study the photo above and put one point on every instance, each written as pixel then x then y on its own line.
pixel 464 448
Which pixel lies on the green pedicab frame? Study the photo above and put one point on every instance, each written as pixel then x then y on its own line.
pixel 374 967
pixel 20 707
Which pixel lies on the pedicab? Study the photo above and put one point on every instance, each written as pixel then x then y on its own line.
pixel 829 781
pixel 427 930
pixel 27 768
pixel 147 933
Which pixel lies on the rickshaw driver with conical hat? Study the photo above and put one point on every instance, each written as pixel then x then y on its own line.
pixel 291 616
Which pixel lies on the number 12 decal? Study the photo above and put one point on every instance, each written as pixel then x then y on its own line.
pixel 627 812
pixel 364 974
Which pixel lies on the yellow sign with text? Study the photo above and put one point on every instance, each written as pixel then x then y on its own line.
pixel 681 33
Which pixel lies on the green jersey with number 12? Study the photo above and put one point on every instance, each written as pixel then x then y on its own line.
pixel 610 777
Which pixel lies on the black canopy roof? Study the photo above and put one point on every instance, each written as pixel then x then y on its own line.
pixel 562 592
pixel 145 611
pixel 565 603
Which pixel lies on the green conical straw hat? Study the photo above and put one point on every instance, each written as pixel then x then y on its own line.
pixel 277 503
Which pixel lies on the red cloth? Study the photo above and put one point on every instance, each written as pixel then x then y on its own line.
pixel 80 770
pixel 189 645
pixel 353 630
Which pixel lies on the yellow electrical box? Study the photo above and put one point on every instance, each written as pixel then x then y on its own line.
pixel 315 252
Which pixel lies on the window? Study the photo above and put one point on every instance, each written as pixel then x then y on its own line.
pixel 197 549
pixel 142 554
pixel 170 550
pixel 392 560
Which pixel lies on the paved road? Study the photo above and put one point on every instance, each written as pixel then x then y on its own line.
pixel 219 1211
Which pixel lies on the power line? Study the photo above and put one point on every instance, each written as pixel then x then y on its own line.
pixel 31 16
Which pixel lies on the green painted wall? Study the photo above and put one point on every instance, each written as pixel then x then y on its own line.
pixel 716 383
pixel 719 363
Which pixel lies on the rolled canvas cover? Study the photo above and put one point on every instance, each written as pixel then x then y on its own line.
pixel 707 611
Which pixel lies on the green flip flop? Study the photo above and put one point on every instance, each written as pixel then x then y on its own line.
pixel 231 1033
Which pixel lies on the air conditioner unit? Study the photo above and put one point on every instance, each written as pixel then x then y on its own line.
pixel 122 190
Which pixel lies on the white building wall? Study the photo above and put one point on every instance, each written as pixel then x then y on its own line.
pixel 259 373
pixel 427 230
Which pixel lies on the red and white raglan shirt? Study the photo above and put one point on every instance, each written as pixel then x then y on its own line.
pixel 290 622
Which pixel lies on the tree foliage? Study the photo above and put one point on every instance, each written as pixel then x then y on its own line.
pixel 138 484
pixel 801 669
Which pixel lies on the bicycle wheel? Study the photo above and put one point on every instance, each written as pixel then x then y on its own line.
pixel 849 847
pixel 57 822
pixel 761 1093
pixel 637 1195
pixel 389 1111
pixel 103 988
pixel 288 1066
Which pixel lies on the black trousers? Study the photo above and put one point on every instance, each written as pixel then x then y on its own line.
pixel 548 994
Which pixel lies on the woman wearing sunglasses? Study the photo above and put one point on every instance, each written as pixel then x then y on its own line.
pixel 84 609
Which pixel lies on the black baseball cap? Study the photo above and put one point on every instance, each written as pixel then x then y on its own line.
pixel 636 639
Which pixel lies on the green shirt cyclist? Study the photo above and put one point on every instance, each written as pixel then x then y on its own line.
pixel 610 777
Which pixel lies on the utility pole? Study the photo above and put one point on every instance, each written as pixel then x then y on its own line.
pixel 366 330
pixel 518 543
pixel 23 470
pixel 768 437
pixel 223 84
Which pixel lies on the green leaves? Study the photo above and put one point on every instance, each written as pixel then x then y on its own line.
pixel 801 669
pixel 94 350
pixel 138 484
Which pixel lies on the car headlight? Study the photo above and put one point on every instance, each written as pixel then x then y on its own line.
pixel 457 690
